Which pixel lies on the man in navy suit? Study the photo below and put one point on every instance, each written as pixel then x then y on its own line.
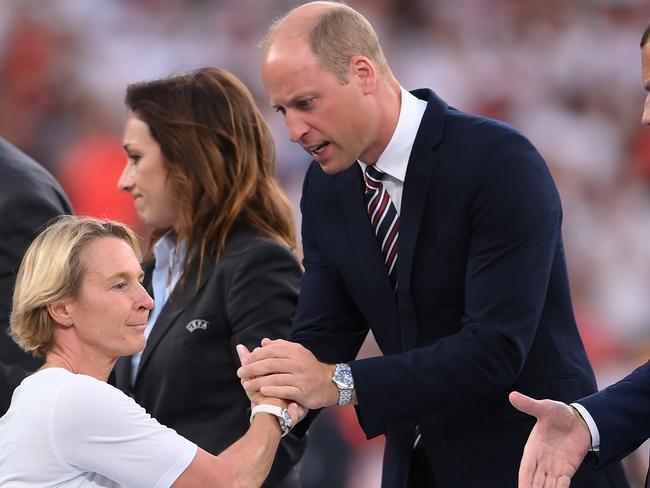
pixel 29 198
pixel 437 230
pixel 610 423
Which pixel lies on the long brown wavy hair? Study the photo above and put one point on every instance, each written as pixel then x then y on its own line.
pixel 220 158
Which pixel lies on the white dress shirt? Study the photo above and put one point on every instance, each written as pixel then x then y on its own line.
pixel 593 428
pixel 394 160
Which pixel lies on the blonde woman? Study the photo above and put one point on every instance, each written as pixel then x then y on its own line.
pixel 79 302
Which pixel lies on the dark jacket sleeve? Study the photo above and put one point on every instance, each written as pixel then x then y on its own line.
pixel 29 199
pixel 261 302
pixel 622 414
pixel 327 321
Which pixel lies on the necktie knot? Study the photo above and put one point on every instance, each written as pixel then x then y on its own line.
pixel 373 178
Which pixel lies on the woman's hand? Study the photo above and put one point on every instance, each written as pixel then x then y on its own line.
pixel 296 410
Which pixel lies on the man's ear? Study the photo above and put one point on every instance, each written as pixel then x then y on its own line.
pixel 365 71
pixel 60 311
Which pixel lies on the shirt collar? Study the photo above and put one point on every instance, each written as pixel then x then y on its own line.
pixel 394 160
pixel 167 253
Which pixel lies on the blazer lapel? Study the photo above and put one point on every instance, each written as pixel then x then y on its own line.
pixel 421 166
pixel 179 299
pixel 123 374
pixel 382 307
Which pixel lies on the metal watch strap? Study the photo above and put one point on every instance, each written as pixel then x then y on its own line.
pixel 345 397
pixel 344 382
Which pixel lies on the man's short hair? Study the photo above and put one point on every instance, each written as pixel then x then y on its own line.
pixel 340 34
pixel 335 37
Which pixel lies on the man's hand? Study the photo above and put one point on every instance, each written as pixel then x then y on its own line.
pixel 284 369
pixel 556 446
pixel 296 411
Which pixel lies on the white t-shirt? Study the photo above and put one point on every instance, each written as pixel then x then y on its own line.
pixel 71 430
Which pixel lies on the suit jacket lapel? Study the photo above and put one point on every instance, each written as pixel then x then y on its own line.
pixel 179 299
pixel 123 374
pixel 419 172
pixel 365 249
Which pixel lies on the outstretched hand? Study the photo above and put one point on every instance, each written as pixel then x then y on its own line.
pixel 556 446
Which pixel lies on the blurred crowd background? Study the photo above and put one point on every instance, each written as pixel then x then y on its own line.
pixel 565 72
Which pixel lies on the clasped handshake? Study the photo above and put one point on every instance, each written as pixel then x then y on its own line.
pixel 288 372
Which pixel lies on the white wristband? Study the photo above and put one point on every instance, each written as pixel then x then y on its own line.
pixel 272 409
pixel 285 420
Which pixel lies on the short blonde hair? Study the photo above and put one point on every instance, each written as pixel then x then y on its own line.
pixel 51 270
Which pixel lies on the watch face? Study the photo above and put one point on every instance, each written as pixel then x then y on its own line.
pixel 343 378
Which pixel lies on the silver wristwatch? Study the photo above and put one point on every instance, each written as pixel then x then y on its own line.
pixel 344 382
pixel 284 419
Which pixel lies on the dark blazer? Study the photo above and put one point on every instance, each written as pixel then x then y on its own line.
pixel 483 304
pixel 29 198
pixel 622 414
pixel 187 376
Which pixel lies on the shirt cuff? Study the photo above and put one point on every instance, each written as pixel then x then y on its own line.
pixel 593 429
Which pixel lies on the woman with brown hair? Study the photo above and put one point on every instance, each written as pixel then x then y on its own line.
pixel 221 267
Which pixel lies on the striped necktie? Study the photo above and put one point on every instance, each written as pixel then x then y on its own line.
pixel 384 220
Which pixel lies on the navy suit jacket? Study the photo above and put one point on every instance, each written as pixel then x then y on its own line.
pixel 622 415
pixel 30 197
pixel 483 304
